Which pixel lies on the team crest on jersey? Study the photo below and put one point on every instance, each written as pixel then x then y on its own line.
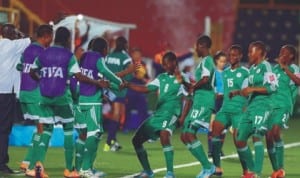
pixel 258 71
pixel 238 75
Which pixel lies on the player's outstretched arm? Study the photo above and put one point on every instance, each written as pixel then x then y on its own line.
pixel 100 83
pixel 137 88
pixel 201 82
pixel 130 69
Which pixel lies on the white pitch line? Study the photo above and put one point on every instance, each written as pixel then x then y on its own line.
pixel 291 145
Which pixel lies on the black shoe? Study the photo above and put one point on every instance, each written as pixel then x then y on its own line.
pixel 6 170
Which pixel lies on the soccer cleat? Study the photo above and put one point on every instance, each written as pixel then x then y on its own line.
pixel 115 146
pixel 218 172
pixel 250 175
pixel 169 174
pixel 24 166
pixel 281 173
pixel 71 174
pixel 30 173
pixel 98 173
pixel 40 171
pixel 244 173
pixel 206 173
pixel 145 174
pixel 274 174
pixel 91 174
pixel 106 147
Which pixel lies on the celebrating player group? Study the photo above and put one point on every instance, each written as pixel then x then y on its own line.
pixel 59 87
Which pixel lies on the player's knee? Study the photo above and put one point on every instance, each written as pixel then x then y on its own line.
pixel 82 136
pixel 276 133
pixel 136 141
pixel 165 138
pixel 217 129
pixel 240 143
pixel 182 138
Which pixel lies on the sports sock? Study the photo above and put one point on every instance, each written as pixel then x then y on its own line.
pixel 69 148
pixel 247 157
pixel 112 131
pixel 34 144
pixel 39 152
pixel 143 158
pixel 209 141
pixel 279 146
pixel 259 156
pixel 91 145
pixel 216 151
pixel 197 151
pixel 79 149
pixel 169 157
pixel 273 159
pixel 243 162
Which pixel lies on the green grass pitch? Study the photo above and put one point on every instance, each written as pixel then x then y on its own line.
pixel 125 163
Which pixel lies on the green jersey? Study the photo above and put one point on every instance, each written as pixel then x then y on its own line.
pixel 234 79
pixel 205 94
pixel 261 75
pixel 117 62
pixel 97 97
pixel 170 93
pixel 283 97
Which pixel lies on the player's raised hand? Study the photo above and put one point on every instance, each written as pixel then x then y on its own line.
pixel 178 75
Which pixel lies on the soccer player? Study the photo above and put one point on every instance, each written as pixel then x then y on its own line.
pixel 90 101
pixel 220 59
pixel 262 82
pixel 162 123
pixel 282 107
pixel 119 63
pixel 235 78
pixel 56 65
pixel 29 91
pixel 202 107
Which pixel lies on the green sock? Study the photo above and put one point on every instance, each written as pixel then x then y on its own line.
pixel 79 149
pixel 273 159
pixel 197 151
pixel 243 162
pixel 39 152
pixel 169 157
pixel 143 158
pixel 259 156
pixel 69 149
pixel 216 151
pixel 279 146
pixel 34 144
pixel 91 145
pixel 246 157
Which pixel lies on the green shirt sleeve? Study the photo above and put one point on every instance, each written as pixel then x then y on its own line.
pixel 73 66
pixel 107 73
pixel 154 85
pixel 36 64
